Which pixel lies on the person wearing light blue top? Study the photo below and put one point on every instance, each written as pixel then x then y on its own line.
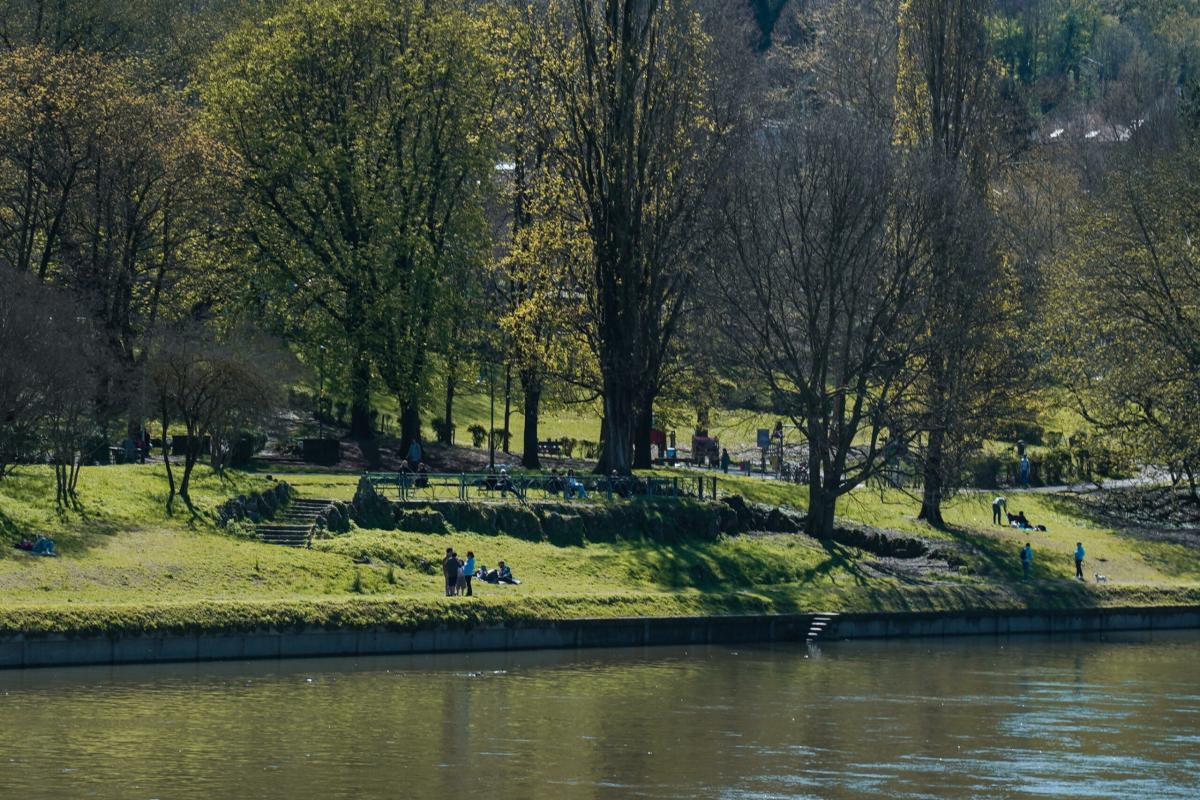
pixel 469 570
pixel 1079 560
pixel 1026 559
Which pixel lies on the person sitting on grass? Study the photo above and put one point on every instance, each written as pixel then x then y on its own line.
pixel 505 575
pixel 1019 520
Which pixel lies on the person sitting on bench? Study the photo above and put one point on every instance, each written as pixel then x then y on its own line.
pixel 505 485
pixel 574 486
pixel 422 481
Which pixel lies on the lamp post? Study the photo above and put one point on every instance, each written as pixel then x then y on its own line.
pixel 492 423
pixel 488 373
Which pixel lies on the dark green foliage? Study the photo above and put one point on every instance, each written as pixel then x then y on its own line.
pixel 421 520
pixel 665 521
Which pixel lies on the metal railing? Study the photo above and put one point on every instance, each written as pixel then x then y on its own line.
pixel 521 486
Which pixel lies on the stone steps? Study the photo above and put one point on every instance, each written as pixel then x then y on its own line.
pixel 294 525
pixel 819 625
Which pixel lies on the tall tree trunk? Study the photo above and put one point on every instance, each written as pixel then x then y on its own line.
pixel 166 453
pixel 446 434
pixel 360 394
pixel 507 407
pixel 189 463
pixel 931 495
pixel 821 502
pixel 642 457
pixel 821 505
pixel 410 427
pixel 533 397
pixel 360 367
pixel 618 430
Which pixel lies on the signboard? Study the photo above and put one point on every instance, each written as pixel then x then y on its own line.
pixel 764 438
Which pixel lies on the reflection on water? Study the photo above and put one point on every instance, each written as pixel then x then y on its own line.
pixel 1020 718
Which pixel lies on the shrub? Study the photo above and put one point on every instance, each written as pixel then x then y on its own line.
pixel 568 446
pixel 443 433
pixel 241 529
pixel 983 471
pixel 590 449
pixel 1056 466
pixel 478 434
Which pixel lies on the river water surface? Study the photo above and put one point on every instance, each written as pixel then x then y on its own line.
pixel 1003 718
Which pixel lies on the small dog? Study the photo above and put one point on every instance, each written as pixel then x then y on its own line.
pixel 1101 578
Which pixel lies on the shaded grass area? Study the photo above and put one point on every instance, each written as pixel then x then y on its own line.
pixel 127 565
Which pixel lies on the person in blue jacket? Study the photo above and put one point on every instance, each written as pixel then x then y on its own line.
pixel 1079 560
pixel 1026 560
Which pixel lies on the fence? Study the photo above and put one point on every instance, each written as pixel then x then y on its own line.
pixel 465 486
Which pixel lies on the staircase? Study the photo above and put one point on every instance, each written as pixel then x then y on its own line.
pixel 293 527
pixel 820 623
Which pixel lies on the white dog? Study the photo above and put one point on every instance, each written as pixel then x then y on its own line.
pixel 1101 578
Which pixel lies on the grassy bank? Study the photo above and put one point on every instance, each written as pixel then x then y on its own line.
pixel 126 565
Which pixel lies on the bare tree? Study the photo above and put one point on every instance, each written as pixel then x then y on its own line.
pixel 826 260
pixel 210 385
pixel 50 362
pixel 22 390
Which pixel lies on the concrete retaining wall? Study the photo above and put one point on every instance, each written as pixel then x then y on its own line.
pixel 60 650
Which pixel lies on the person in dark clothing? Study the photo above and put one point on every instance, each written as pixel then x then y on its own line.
pixel 450 571
pixel 504 574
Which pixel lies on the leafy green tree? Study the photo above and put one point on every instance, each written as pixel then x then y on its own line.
pixel 362 129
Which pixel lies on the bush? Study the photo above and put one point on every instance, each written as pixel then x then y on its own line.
pixel 441 432
pixel 590 449
pixel 421 520
pixel 568 446
pixel 242 529
pixel 983 471
pixel 1056 466
pixel 478 434
pixel 502 438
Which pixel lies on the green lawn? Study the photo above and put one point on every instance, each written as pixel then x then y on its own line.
pixel 125 563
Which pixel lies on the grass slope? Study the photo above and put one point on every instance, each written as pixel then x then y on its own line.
pixel 127 565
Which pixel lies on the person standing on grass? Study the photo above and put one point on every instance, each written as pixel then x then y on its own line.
pixel 469 570
pixel 450 571
pixel 1079 560
pixel 1026 560
pixel 725 459
pixel 999 506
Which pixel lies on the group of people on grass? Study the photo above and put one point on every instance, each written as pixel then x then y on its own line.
pixel 1018 520
pixel 1027 560
pixel 1021 522
pixel 460 572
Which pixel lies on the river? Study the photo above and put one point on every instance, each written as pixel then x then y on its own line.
pixel 1023 717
